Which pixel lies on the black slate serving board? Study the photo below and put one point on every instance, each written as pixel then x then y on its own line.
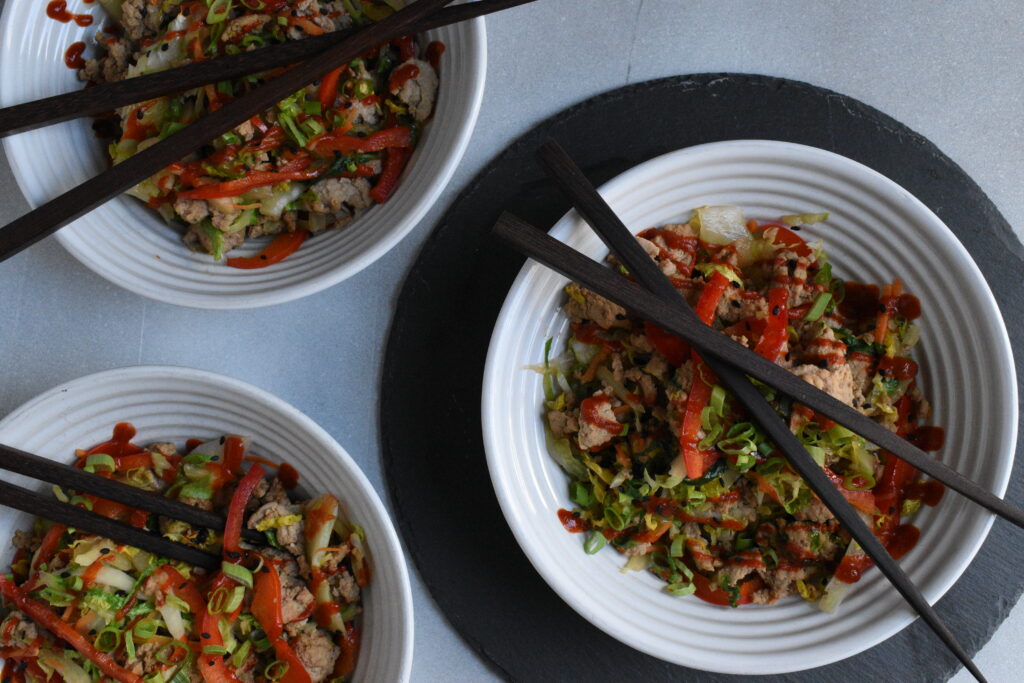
pixel 430 406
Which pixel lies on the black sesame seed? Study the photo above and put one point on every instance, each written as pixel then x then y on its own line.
pixel 263 256
pixel 222 440
pixel 205 635
pixel 164 47
pixel 215 458
pixel 139 114
pixel 735 285
pixel 776 310
pixel 796 227
pixel 881 308
pixel 182 586
pixel 620 316
pixel 232 554
pixel 121 593
pixel 695 273
pixel 791 263
pixel 104 551
pixel 65 575
pixel 735 304
pixel 92 632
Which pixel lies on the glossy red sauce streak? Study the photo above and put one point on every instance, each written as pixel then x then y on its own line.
pixel 909 306
pixel 590 412
pixel 192 444
pixel 120 442
pixel 324 612
pixel 928 492
pixel 899 544
pixel 928 438
pixel 402 75
pixel 58 9
pixel 898 367
pixel 288 475
pixel 572 523
pixel 434 53
pixel 73 55
pixel 861 357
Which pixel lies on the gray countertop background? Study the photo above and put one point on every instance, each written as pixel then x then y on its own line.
pixel 951 71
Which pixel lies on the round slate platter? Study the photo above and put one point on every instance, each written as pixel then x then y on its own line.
pixel 430 406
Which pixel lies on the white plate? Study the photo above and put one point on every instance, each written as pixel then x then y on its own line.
pixel 877 232
pixel 174 404
pixel 130 245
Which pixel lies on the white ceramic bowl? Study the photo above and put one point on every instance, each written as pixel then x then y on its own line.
pixel 174 404
pixel 130 245
pixel 877 232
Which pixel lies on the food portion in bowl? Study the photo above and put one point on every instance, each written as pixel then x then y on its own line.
pixel 664 465
pixel 310 163
pixel 88 608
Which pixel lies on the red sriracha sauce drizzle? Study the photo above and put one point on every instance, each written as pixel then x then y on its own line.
pixel 73 55
pixel 572 523
pixel 58 10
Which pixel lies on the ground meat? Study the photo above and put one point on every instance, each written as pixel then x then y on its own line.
pixel 110 67
pixel 344 587
pixel 364 113
pixel 591 436
pixel 340 195
pixel 791 268
pixel 740 566
pixel 837 381
pixel 821 345
pixel 26 541
pixel 191 210
pixel 697 546
pixel 815 511
pixel 201 503
pixel 295 596
pixel 657 367
pixel 223 220
pixel 563 424
pixel 289 536
pixel 734 307
pixel 806 541
pixel 139 17
pixel 21 634
pixel 145 660
pixel 275 493
pixel 780 582
pixel 419 92
pixel 243 25
pixel 638 549
pixel 584 304
pixel 316 651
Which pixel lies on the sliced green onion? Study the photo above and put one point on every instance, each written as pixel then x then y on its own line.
pixel 129 645
pixel 225 88
pixel 680 589
pixel 275 670
pixel 580 494
pixel 199 490
pixel 595 541
pixel 145 629
pixel 214 650
pixel 804 219
pixel 717 400
pixel 108 639
pixel 219 11
pixel 238 573
pixel 166 654
pixel 819 306
pixel 614 519
pixel 101 461
pixel 676 549
pixel 817 453
pixel 241 653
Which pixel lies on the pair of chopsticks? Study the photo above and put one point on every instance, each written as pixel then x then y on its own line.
pixel 48 507
pixel 314 58
pixel 656 300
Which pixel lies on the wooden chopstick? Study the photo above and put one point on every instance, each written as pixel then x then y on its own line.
pixel 80 518
pixel 110 96
pixel 35 466
pixel 570 263
pixel 28 229
pixel 592 207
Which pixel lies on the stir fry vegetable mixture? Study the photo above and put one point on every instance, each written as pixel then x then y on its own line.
pixel 665 466
pixel 308 164
pixel 87 609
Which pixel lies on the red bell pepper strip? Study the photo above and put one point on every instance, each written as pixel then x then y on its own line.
pixel 48 546
pixel 233 188
pixel 674 349
pixel 397 136
pixel 775 334
pixel 283 246
pixel 787 238
pixel 266 607
pixel 41 614
pixel 691 458
pixel 213 667
pixel 709 592
pixel 329 88
pixel 349 644
pixel 236 509
pixel 863 500
pixel 234 452
pixel 394 163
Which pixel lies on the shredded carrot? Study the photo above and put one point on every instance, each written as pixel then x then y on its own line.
pixel 595 363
